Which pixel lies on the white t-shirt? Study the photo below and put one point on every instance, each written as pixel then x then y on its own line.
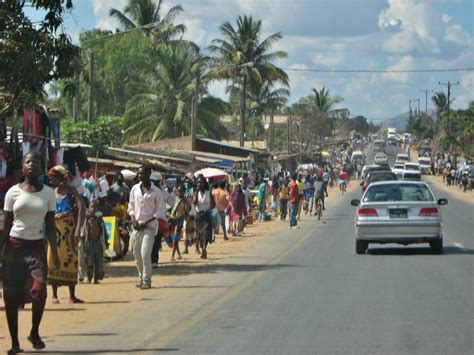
pixel 204 201
pixel 29 210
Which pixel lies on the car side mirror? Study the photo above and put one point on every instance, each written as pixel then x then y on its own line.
pixel 442 202
pixel 362 183
pixel 357 202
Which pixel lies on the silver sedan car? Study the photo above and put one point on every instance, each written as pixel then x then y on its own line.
pixel 403 212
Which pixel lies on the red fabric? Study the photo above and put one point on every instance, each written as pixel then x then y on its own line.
pixel 294 195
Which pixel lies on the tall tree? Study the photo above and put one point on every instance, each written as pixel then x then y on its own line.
pixel 266 100
pixel 139 13
pixel 31 54
pixel 243 57
pixel 441 102
pixel 162 106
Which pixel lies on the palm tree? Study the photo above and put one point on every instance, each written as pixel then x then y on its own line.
pixel 163 107
pixel 243 58
pixel 267 100
pixel 441 102
pixel 325 103
pixel 139 13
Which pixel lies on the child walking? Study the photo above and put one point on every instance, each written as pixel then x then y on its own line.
pixel 95 237
pixel 177 217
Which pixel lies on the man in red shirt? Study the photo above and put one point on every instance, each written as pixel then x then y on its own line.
pixel 294 199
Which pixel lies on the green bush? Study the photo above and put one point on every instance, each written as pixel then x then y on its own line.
pixel 106 131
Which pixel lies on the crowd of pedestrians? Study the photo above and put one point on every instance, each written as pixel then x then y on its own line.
pixel 71 220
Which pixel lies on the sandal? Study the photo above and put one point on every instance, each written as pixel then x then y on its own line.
pixel 75 300
pixel 37 343
pixel 55 301
pixel 15 350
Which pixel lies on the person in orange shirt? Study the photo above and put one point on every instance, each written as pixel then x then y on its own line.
pixel 294 200
pixel 283 196
pixel 221 197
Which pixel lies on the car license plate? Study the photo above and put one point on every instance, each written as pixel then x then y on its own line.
pixel 399 213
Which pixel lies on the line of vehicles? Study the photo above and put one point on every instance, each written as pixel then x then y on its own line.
pixel 396 206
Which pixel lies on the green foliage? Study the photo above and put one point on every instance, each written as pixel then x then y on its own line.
pixel 421 126
pixel 360 125
pixel 161 107
pixel 246 60
pixel 31 55
pixel 105 131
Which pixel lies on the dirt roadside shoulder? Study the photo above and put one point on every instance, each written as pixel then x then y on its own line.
pixel 437 180
pixel 116 297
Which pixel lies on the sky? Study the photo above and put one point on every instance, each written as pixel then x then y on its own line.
pixel 338 35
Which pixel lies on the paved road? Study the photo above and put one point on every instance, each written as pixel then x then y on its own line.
pixel 307 292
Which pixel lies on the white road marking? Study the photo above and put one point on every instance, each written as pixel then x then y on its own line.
pixel 458 245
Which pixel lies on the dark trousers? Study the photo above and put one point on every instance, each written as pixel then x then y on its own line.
pixel 293 214
pixel 155 254
pixel 283 208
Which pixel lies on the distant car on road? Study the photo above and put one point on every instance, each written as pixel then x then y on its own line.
pixel 403 212
pixel 411 171
pixel 392 141
pixel 425 151
pixel 369 168
pixel 402 157
pixel 376 176
pixel 380 159
pixel 397 169
pixel 425 165
pixel 379 145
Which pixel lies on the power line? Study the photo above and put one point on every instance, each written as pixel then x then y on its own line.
pixel 388 71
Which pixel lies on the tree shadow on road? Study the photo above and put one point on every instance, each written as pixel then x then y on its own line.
pixel 104 351
pixel 177 269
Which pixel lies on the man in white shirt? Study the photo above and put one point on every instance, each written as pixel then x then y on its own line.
pixel 145 210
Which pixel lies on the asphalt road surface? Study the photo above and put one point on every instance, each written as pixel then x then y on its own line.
pixel 307 292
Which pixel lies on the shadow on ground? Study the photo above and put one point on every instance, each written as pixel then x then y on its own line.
pixel 177 269
pixel 418 251
pixel 104 351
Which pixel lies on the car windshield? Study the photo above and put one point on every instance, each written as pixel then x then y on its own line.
pixel 398 166
pixel 411 167
pixel 402 157
pixel 398 192
pixel 380 176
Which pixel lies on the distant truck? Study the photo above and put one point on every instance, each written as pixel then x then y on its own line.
pixel 391 131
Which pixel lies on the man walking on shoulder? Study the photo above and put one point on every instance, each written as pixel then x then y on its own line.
pixel 294 200
pixel 144 211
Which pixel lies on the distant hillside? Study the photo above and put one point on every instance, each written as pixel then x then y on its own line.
pixel 398 122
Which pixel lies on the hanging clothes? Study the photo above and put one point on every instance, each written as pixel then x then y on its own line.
pixel 31 125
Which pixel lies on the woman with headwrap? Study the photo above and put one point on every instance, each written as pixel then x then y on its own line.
pixel 69 220
pixel 237 209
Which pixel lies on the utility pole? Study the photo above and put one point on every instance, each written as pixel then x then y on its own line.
pixel 426 91
pixel 449 84
pixel 288 119
pixel 90 117
pixel 418 106
pixel 409 106
pixel 194 116
pixel 76 103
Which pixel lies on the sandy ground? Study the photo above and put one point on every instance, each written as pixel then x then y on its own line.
pixel 113 296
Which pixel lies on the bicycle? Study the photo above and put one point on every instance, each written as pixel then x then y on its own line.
pixel 319 209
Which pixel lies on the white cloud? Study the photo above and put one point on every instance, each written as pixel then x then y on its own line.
pixel 101 11
pixel 455 33
pixel 446 18
pixel 328 59
pixel 195 31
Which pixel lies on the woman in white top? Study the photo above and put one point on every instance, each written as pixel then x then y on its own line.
pixel 204 202
pixel 29 217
